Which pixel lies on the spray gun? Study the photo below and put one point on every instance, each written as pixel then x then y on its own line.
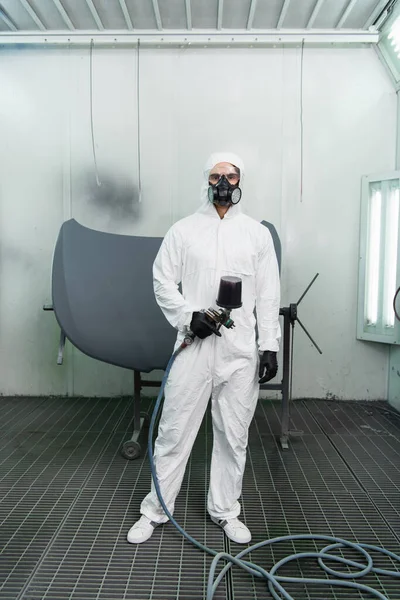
pixel 229 297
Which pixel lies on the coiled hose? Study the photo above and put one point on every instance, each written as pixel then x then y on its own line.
pixel 273 580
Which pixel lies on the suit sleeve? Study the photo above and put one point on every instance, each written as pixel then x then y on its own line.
pixel 167 274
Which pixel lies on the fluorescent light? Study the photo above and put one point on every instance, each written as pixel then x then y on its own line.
pixel 391 238
pixel 373 257
pixel 394 34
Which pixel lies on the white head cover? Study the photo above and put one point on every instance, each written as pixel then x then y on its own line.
pixel 215 159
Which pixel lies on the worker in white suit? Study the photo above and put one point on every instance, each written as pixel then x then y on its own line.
pixel 216 241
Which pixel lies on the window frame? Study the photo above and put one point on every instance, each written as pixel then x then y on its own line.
pixel 365 331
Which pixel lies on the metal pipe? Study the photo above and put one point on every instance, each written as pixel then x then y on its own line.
pixel 167 38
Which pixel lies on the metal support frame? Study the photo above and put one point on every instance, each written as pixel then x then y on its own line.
pixel 95 14
pixel 131 449
pixel 188 7
pixel 61 348
pixel 169 38
pixel 126 14
pixel 283 14
pixel 137 387
pixel 252 12
pixel 157 15
pixel 61 345
pixel 64 14
pixel 289 316
pixel 285 418
pixel 220 16
pixel 32 14
pixel 398 132
pixel 139 420
pixel 6 19
pixel 387 64
pixel 375 14
pixel 346 13
pixel 315 12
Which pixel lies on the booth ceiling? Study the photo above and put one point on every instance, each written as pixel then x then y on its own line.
pixel 189 16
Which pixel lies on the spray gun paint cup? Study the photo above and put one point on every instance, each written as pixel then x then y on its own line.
pixel 230 293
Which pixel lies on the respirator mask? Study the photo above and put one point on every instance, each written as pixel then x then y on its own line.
pixel 223 193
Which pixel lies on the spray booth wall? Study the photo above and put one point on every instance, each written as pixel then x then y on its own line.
pixel 192 102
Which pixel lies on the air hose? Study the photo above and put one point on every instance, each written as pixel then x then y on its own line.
pixel 273 580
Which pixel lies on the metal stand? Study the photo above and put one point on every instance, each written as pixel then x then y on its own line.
pixel 290 316
pixel 131 449
pixel 61 345
pixel 284 386
pixel 287 368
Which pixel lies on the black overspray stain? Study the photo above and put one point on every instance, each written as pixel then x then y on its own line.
pixel 116 196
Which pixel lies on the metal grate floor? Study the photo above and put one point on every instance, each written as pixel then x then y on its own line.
pixel 68 499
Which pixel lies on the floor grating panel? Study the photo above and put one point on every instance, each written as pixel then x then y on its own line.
pixel 353 418
pixel 68 499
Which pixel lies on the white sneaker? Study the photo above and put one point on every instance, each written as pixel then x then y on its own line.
pixel 141 531
pixel 234 529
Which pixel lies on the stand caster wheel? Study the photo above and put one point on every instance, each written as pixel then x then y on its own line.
pixel 131 450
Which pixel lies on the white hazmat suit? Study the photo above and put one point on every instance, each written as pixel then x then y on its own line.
pixel 196 252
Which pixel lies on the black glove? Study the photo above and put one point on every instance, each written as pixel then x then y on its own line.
pixel 203 326
pixel 268 366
